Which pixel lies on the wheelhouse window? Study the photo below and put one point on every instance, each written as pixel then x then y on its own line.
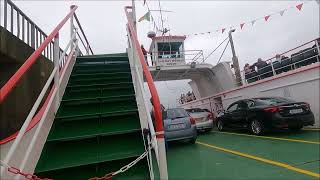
pixel 170 50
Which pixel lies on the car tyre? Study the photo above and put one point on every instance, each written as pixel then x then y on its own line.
pixel 257 127
pixel 296 128
pixel 193 140
pixel 220 125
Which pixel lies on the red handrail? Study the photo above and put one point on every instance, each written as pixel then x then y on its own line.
pixel 152 88
pixel 7 88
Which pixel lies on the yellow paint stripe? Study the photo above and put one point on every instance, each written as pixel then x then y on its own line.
pixel 269 137
pixel 267 161
pixel 311 129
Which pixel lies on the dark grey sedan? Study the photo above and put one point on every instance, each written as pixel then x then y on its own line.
pixel 178 125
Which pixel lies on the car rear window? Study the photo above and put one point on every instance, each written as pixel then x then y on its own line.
pixel 176 113
pixel 272 101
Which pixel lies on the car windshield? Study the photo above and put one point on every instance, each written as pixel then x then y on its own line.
pixel 272 101
pixel 176 113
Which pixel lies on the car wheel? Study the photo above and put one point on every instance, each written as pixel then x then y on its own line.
pixel 193 140
pixel 296 128
pixel 257 127
pixel 220 125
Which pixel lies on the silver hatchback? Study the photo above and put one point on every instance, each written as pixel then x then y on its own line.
pixel 178 125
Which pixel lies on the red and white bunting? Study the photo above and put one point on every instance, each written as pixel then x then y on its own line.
pixel 266 18
pixel 299 6
pixel 252 22
pixel 241 25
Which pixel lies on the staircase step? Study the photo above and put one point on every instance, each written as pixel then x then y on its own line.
pixel 136 172
pixel 117 66
pixel 99 86
pixel 66 154
pixel 103 58
pixel 99 80
pixel 87 107
pixel 98 75
pixel 90 127
pixel 97 93
pixel 103 70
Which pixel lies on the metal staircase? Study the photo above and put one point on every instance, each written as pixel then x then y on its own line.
pixel 97 127
pixel 94 122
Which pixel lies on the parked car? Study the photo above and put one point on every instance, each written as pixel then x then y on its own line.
pixel 266 113
pixel 203 118
pixel 178 125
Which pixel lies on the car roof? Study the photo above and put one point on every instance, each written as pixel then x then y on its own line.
pixel 263 97
pixel 173 109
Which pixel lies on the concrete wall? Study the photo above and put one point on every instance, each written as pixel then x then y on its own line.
pixel 15 108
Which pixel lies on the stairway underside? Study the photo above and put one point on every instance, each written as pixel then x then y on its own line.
pixel 97 127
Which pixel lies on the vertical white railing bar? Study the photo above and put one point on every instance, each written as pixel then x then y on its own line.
pixel 56 58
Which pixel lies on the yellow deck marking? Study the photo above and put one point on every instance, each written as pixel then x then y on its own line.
pixel 267 161
pixel 311 129
pixel 269 137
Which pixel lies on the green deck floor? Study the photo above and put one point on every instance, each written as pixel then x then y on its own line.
pixel 187 161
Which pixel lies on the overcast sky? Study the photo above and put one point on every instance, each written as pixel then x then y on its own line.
pixel 104 23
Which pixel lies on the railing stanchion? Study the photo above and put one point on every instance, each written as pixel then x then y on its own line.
pixel 56 58
pixel 5 13
pixel 273 71
pixel 318 49
pixel 87 49
pixel 33 40
pixel 11 19
pixel 71 27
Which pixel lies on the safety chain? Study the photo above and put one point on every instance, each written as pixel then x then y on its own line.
pixel 14 170
pixel 124 168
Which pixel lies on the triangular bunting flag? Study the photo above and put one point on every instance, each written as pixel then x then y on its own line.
pixel 266 18
pixel 252 22
pixel 282 12
pixel 241 25
pixel 299 6
pixel 145 17
pixel 223 29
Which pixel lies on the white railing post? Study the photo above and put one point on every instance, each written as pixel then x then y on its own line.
pixel 71 27
pixel 273 71
pixel 56 52
pixel 318 50
pixel 87 49
pixel 32 37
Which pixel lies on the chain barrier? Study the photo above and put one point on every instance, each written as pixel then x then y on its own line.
pixel 124 168
pixel 14 170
